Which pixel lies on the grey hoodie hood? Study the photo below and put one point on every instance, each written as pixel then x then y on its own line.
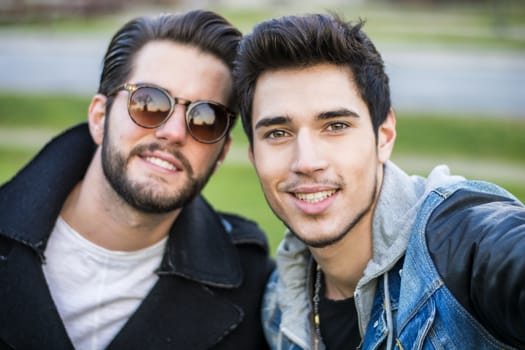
pixel 399 200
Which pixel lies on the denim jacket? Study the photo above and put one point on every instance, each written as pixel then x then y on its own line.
pixel 411 306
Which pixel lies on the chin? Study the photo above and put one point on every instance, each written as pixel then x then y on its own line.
pixel 321 242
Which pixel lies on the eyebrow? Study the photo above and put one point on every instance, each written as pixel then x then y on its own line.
pixel 279 120
pixel 342 112
pixel 269 121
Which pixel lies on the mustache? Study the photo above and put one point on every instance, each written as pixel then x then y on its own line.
pixel 294 184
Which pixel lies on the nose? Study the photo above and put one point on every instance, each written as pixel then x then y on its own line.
pixel 174 129
pixel 309 155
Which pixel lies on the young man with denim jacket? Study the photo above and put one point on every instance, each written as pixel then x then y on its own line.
pixel 105 240
pixel 373 258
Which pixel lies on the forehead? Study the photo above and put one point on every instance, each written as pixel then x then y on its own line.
pixel 184 70
pixel 306 92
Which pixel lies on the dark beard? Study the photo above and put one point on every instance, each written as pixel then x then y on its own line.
pixel 139 196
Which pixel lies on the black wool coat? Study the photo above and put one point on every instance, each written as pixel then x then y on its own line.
pixel 211 278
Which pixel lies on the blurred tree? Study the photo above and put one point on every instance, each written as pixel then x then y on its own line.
pixel 17 11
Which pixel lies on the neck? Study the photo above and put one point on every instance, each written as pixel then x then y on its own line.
pixel 343 263
pixel 96 212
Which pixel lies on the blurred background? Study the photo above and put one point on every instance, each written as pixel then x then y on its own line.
pixel 457 71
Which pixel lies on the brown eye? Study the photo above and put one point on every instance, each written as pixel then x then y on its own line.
pixel 337 126
pixel 275 134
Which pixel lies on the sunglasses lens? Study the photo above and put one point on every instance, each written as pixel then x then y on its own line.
pixel 207 122
pixel 149 107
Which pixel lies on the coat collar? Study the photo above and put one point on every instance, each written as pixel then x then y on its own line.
pixel 199 247
pixel 31 201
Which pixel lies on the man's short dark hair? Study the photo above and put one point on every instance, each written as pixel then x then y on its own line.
pixel 303 41
pixel 206 30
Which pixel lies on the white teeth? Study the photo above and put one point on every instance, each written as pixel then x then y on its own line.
pixel 161 163
pixel 314 197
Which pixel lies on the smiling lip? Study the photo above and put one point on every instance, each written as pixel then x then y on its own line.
pixel 314 197
pixel 166 162
pixel 314 201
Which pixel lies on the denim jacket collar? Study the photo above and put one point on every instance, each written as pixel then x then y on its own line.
pixel 199 247
pixel 396 210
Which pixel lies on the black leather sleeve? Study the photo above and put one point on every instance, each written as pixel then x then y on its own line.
pixel 477 242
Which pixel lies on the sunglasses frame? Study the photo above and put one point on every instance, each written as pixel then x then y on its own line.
pixel 132 88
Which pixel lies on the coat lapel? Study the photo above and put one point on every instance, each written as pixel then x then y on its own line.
pixel 179 313
pixel 200 249
pixel 29 319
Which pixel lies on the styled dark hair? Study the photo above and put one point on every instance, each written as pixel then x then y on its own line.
pixel 303 41
pixel 206 30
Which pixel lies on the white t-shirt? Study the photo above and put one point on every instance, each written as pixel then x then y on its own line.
pixel 96 290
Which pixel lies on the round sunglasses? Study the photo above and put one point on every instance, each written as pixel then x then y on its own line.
pixel 150 106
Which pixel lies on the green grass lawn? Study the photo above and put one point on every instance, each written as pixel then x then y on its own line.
pixel 42 110
pixel 465 136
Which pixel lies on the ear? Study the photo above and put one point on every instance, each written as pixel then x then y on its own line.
pixel 96 117
pixel 386 137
